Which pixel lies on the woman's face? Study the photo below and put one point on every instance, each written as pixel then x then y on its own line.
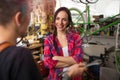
pixel 61 21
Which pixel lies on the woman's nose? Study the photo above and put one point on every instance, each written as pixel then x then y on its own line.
pixel 61 21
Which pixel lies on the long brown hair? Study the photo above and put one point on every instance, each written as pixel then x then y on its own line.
pixel 69 26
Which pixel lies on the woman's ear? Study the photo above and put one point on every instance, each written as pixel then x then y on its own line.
pixel 18 18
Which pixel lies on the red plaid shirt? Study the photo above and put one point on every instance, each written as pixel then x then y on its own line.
pixel 74 50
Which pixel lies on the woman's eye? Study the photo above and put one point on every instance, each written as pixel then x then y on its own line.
pixel 65 19
pixel 57 18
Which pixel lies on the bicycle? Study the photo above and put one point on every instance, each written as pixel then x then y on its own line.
pixel 85 32
pixel 86 24
pixel 79 19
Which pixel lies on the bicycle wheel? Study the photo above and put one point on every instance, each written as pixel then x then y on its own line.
pixel 83 1
pixel 78 19
pixel 91 1
pixel 88 1
pixel 77 1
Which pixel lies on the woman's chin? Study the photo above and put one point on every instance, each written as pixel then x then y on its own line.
pixel 61 29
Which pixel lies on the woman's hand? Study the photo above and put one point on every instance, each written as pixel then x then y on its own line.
pixel 56 57
pixel 76 69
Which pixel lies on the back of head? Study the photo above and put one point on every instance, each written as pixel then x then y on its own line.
pixel 8 8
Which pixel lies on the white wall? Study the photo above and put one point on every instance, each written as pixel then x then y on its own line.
pixel 108 7
pixel 105 7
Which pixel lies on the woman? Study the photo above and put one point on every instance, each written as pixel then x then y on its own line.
pixel 63 48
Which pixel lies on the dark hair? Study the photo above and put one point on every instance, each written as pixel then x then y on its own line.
pixel 9 7
pixel 69 26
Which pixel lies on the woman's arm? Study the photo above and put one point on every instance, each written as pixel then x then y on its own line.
pixel 48 61
pixel 77 50
pixel 64 61
pixel 74 70
pixel 76 53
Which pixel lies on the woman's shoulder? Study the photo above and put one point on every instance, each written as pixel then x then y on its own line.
pixel 51 36
pixel 73 34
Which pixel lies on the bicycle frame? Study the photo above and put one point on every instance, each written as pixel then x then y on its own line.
pixel 88 23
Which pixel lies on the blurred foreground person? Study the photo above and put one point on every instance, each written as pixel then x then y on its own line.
pixel 16 63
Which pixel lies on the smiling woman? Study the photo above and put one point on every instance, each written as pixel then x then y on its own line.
pixel 62 49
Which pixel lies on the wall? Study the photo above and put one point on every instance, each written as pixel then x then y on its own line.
pixel 105 7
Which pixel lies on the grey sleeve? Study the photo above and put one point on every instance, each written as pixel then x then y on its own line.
pixel 66 77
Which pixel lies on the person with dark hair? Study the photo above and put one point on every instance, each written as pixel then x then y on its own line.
pixel 16 63
pixel 63 48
